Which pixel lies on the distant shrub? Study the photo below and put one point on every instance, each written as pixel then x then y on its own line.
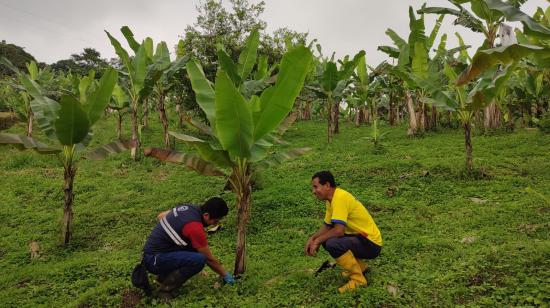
pixel 544 123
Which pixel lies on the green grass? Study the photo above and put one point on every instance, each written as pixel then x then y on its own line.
pixel 440 247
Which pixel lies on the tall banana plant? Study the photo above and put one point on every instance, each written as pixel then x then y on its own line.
pixel 158 82
pixel 485 17
pixel 21 100
pixel 241 128
pixel 135 68
pixel 489 85
pixel 331 83
pixel 414 64
pixel 68 124
pixel 120 104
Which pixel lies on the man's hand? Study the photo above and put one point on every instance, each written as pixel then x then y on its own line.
pixel 306 249
pixel 311 247
pixel 228 278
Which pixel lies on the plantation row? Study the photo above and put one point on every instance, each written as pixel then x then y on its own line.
pixel 234 103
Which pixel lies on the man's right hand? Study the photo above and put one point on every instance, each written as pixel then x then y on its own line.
pixel 309 245
pixel 306 249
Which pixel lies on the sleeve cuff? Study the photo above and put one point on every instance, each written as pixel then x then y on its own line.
pixel 340 222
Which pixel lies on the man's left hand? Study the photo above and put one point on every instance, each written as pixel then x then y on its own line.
pixel 228 278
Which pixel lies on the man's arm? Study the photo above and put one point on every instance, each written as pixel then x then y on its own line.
pixel 323 230
pixel 336 231
pixel 212 262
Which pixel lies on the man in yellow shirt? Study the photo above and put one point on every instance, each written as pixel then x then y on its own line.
pixel 349 233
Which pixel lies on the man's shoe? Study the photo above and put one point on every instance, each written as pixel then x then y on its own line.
pixel 364 267
pixel 356 278
pixel 171 282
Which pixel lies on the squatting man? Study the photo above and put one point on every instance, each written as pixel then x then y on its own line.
pixel 349 233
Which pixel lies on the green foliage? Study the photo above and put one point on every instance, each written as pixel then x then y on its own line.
pixel 493 251
pixel 72 124
pixel 544 123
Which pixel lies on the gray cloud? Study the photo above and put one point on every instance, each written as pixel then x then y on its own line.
pixel 53 30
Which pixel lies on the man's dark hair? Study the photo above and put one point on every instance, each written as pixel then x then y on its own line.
pixel 324 177
pixel 216 207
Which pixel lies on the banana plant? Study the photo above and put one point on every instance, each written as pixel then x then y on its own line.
pixel 490 84
pixel 120 104
pixel 158 81
pixel 67 124
pixel 414 64
pixel 486 17
pixel 21 100
pixel 241 130
pixel 135 68
pixel 331 83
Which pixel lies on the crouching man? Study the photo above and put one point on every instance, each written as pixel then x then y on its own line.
pixel 177 248
pixel 349 233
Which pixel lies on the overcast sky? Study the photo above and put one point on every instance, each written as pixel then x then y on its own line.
pixel 53 30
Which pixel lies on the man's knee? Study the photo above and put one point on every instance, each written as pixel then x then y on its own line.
pixel 334 247
pixel 199 261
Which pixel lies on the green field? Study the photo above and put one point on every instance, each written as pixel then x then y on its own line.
pixel 449 238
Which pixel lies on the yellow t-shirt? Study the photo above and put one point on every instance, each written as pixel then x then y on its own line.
pixel 345 209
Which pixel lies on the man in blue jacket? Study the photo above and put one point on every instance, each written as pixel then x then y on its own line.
pixel 177 248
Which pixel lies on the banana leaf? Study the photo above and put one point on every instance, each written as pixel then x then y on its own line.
pixel 72 125
pixel 204 93
pixel 226 64
pixel 100 97
pixel 114 147
pixel 25 142
pixel 247 58
pixel 234 124
pixel 512 13
pixel 485 59
pixel 275 106
pixel 189 160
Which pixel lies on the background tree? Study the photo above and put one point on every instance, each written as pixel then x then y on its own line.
pixel 81 63
pixel 16 55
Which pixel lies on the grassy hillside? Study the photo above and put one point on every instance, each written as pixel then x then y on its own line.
pixel 449 238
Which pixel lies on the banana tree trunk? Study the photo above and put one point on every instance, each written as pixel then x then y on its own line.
pixel 119 126
pixel 163 120
pixel 135 139
pixel 433 120
pixel 413 127
pixel 468 146
pixel 66 225
pixel 358 116
pixel 391 115
pixel 181 116
pixel 330 130
pixel 493 116
pixel 422 117
pixel 29 123
pixel 241 186
pixel 146 113
pixel 366 115
pixel 336 117
pixel 307 110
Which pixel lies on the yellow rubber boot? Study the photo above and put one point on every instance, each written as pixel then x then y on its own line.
pixel 361 263
pixel 356 278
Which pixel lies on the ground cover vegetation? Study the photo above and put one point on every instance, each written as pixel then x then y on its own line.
pixel 396 135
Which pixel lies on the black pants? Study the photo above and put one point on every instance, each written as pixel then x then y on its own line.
pixel 361 247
